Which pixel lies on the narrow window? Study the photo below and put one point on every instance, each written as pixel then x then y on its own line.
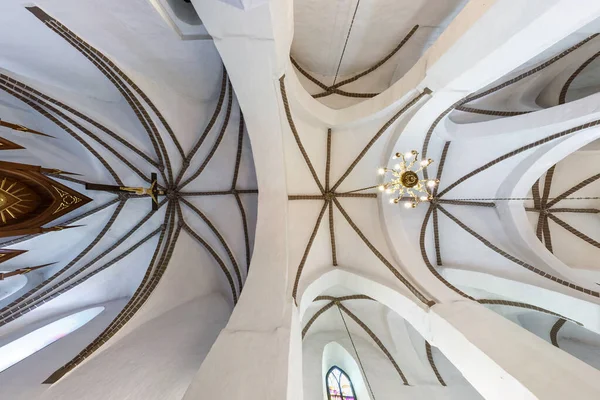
pixel 339 385
pixel 23 347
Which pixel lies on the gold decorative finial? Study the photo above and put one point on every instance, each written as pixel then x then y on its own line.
pixel 21 128
pixel 22 271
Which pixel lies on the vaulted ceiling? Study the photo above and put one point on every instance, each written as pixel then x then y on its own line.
pixel 124 97
pixel 120 107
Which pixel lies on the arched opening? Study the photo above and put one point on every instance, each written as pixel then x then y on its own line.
pixel 339 385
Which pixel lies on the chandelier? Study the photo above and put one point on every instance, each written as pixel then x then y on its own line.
pixel 405 180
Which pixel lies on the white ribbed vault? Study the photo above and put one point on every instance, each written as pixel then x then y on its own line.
pixel 489 291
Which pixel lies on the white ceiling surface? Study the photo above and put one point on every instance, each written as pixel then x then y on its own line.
pixel 572 250
pixel 542 89
pixel 320 30
pixel 347 143
pixel 183 79
pixel 462 250
pixel 477 139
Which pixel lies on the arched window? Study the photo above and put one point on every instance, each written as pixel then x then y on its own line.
pixel 19 349
pixel 339 385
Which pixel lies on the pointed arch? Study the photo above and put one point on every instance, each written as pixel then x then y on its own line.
pixel 339 385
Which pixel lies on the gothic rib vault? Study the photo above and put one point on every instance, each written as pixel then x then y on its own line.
pixel 122 230
pixel 490 290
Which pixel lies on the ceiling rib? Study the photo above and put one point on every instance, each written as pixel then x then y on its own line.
pixel 334 89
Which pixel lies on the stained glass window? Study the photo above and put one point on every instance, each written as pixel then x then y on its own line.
pixel 339 386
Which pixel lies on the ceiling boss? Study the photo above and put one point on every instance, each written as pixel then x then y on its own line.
pixel 405 180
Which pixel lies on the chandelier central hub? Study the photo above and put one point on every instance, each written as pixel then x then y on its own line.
pixel 409 179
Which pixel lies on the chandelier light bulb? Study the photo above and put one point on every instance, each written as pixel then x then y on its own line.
pixel 381 171
pixel 392 201
pixel 408 155
pixel 424 162
pixel 397 166
pixel 381 188
pixel 388 190
pixel 408 204
pixel 424 198
pixel 431 183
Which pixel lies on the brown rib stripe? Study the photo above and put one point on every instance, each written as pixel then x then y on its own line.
pixel 307 249
pixel 306 197
pixel 440 169
pixel 575 210
pixel 504 254
pixel 380 256
pixel 492 112
pixel 572 190
pixel 574 231
pixel 128 311
pixel 554 331
pixel 5 311
pixel 211 123
pixel 546 234
pixel 334 89
pixel 238 156
pixel 380 62
pixel 375 339
pixel 470 98
pixel 238 200
pixel 288 114
pixel 118 78
pixel 332 236
pixel 32 303
pixel 563 93
pixel 217 142
pixel 40 102
pixel 378 135
pixel 88 276
pixel 466 203
pixel 520 150
pixel 11 84
pixel 314 317
pixel 533 70
pixel 105 62
pixel 219 237
pixel 436 238
pixel 426 257
pixel 343 298
pixel 216 257
pixel 432 363
pixel 523 305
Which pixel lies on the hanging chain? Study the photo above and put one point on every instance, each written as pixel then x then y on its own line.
pixel 493 199
pixel 524 198
pixel 355 351
pixel 346 43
